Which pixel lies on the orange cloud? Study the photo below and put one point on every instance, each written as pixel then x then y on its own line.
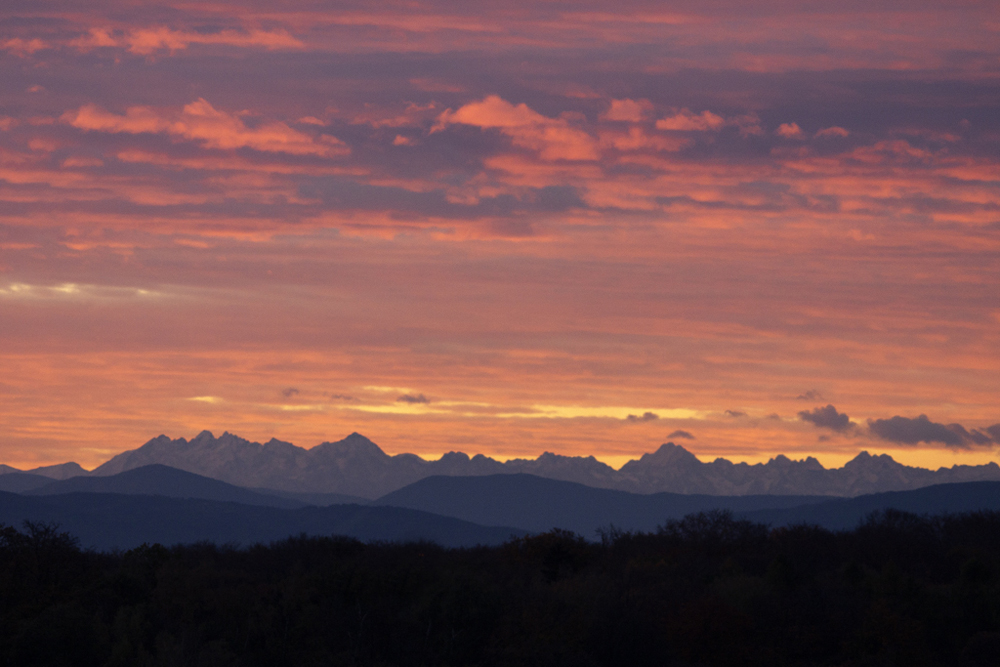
pixel 790 131
pixel 552 138
pixel 633 111
pixel 22 47
pixel 200 121
pixel 685 120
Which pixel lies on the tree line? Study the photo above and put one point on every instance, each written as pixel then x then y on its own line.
pixel 710 589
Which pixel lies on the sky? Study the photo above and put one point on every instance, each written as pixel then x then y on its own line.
pixel 504 228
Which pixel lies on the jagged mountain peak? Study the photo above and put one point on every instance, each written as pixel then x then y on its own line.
pixel 866 460
pixel 353 445
pixel 668 454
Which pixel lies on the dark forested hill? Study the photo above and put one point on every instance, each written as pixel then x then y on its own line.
pixel 107 520
pixel 707 590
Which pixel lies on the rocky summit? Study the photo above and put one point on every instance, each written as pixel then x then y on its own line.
pixel 356 466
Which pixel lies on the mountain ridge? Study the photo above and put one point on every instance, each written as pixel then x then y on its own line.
pixel 356 466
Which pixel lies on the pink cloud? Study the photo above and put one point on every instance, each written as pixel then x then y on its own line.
pixel 790 131
pixel 685 120
pixel 633 111
pixel 202 122
pixel 22 47
pixel 552 138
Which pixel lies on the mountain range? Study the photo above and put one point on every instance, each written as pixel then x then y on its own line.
pixel 156 503
pixel 356 467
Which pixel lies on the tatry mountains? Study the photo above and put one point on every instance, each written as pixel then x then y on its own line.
pixel 356 466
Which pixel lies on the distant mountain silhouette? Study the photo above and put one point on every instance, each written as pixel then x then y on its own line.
pixel 107 521
pixel 19 482
pixel 847 513
pixel 538 504
pixel 57 471
pixel 355 466
pixel 161 480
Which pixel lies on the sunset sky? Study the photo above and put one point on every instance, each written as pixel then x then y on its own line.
pixel 502 227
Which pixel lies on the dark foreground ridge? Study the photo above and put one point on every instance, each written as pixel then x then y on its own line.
pixel 709 589
pixel 117 521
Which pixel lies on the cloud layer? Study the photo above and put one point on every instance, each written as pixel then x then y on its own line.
pixel 551 219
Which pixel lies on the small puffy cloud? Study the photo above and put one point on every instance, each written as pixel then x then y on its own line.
pixel 685 120
pixel 200 121
pixel 409 398
pixel 646 417
pixel 833 132
pixel 907 431
pixel 289 392
pixel 811 395
pixel 735 413
pixel 552 138
pixel 22 47
pixel 827 417
pixel 632 111
pixel 95 37
pixel 681 434
pixel 400 140
pixel 790 131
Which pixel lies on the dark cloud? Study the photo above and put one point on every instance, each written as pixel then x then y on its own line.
pixel 827 417
pixel 341 397
pixel 681 434
pixel 909 431
pixel 289 392
pixel 646 417
pixel 811 395
pixel 994 432
pixel 407 398
pixel 736 413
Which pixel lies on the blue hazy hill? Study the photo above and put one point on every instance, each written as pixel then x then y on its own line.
pixel 161 480
pixel 847 513
pixel 19 482
pixel 108 521
pixel 540 504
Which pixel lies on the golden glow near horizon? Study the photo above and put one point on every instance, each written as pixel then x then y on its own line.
pixel 541 227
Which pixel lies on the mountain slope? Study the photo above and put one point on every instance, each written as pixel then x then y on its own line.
pixel 19 482
pixel 538 504
pixel 107 521
pixel 161 480
pixel 843 514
